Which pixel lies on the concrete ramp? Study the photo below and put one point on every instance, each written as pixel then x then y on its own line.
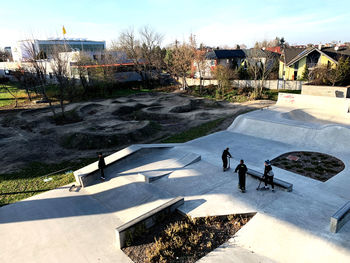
pixel 300 120
pixel 152 163
pixel 321 136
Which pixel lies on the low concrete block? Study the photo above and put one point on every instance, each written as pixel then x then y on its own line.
pixel 340 218
pixel 90 173
pixel 278 182
pixel 127 231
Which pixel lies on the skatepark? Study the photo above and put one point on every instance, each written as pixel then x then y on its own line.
pixel 79 223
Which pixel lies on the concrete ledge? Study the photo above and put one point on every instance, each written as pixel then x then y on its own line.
pixel 127 231
pixel 340 218
pixel 280 183
pixel 328 91
pixel 90 173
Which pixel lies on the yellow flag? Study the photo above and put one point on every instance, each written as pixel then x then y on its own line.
pixel 64 30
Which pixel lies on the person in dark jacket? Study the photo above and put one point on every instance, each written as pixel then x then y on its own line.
pixel 242 170
pixel 268 175
pixel 225 154
pixel 101 165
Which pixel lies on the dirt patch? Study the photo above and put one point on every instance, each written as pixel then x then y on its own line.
pixel 315 165
pixel 105 125
pixel 90 140
pixel 183 239
pixel 128 109
pixel 90 109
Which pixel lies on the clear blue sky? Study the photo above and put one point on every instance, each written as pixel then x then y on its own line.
pixel 217 23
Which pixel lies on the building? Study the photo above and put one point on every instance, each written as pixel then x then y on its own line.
pixel 44 48
pixel 294 60
pixel 232 58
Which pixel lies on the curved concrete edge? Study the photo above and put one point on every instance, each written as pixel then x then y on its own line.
pixel 321 137
pixel 110 159
pixel 145 221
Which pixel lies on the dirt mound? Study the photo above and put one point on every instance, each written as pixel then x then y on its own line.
pixel 123 100
pixel 102 125
pixel 91 141
pixel 128 109
pixel 91 109
pixel 4 136
pixel 156 108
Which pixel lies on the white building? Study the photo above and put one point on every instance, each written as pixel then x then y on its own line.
pixel 44 48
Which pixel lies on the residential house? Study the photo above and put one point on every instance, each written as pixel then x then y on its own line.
pixel 232 58
pixel 293 60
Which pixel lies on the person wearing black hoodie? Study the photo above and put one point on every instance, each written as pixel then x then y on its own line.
pixel 242 170
pixel 101 165
pixel 225 154
pixel 268 175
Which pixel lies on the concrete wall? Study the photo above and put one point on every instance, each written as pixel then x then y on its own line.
pixel 268 84
pixel 335 106
pixel 141 224
pixel 328 91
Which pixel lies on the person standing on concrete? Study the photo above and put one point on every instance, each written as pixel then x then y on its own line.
pixel 242 170
pixel 226 154
pixel 268 175
pixel 101 165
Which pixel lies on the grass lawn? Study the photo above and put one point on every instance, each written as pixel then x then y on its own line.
pixel 30 180
pixel 7 99
pixel 194 132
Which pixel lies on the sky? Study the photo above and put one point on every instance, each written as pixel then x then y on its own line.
pixel 214 23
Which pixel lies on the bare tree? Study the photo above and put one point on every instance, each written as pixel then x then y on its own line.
pixel 60 68
pixel 83 60
pixel 271 43
pixel 150 42
pixel 129 43
pixel 4 55
pixel 36 64
pixel 199 61
pixel 179 60
pixel 25 79
pixel 260 65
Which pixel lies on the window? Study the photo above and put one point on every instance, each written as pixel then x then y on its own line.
pixel 296 65
pixel 329 64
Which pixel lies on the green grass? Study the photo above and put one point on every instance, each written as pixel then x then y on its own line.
pixel 29 181
pixel 194 132
pixel 7 99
